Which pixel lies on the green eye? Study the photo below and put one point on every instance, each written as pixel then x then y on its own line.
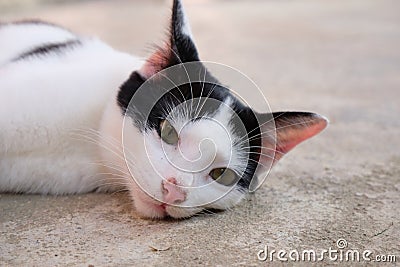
pixel 168 133
pixel 224 176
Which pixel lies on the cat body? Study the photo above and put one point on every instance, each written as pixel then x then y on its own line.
pixel 47 100
pixel 74 118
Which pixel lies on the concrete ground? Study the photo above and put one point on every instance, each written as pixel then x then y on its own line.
pixel 339 58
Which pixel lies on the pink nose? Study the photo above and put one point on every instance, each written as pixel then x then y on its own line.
pixel 172 193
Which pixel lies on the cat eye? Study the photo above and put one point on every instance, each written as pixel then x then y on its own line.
pixel 168 133
pixel 224 176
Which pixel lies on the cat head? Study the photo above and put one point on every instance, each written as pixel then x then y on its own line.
pixel 189 142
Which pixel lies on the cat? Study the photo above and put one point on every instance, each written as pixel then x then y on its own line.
pixel 77 116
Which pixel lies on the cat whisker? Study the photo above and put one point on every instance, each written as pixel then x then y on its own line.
pixel 266 148
pixel 273 118
pixel 121 191
pixel 266 132
pixel 118 172
pixel 116 150
pixel 268 167
pixel 117 153
pixel 205 99
pixel 98 135
pixel 112 175
pixel 187 74
pixel 261 154
pixel 116 183
pixel 110 163
pixel 254 137
pixel 293 124
pixel 108 186
pixel 197 111
pixel 208 212
pixel 176 86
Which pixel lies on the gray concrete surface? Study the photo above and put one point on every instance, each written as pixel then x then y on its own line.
pixel 339 58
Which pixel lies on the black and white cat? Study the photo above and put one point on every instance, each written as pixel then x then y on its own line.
pixel 68 122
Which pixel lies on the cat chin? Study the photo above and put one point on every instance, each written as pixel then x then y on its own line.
pixel 152 210
pixel 181 212
pixel 148 207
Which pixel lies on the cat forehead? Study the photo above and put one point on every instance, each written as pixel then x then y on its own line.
pixel 215 109
pixel 218 117
pixel 183 104
pixel 216 129
pixel 215 125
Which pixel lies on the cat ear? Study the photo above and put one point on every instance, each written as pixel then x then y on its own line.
pixel 281 132
pixel 179 48
pixel 292 128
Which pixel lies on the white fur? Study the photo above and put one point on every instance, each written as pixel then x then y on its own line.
pixel 60 125
pixel 48 104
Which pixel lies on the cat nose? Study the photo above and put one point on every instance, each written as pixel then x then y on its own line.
pixel 172 193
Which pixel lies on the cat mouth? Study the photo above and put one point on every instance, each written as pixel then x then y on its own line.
pixel 161 207
pixel 165 210
pixel 158 205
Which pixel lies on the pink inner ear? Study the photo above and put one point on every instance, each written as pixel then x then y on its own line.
pixel 291 137
pixel 155 63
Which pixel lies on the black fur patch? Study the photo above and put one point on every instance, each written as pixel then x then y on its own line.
pixel 46 49
pixel 152 107
pixel 33 21
pixel 182 50
pixel 181 43
pixel 251 133
pixel 128 89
